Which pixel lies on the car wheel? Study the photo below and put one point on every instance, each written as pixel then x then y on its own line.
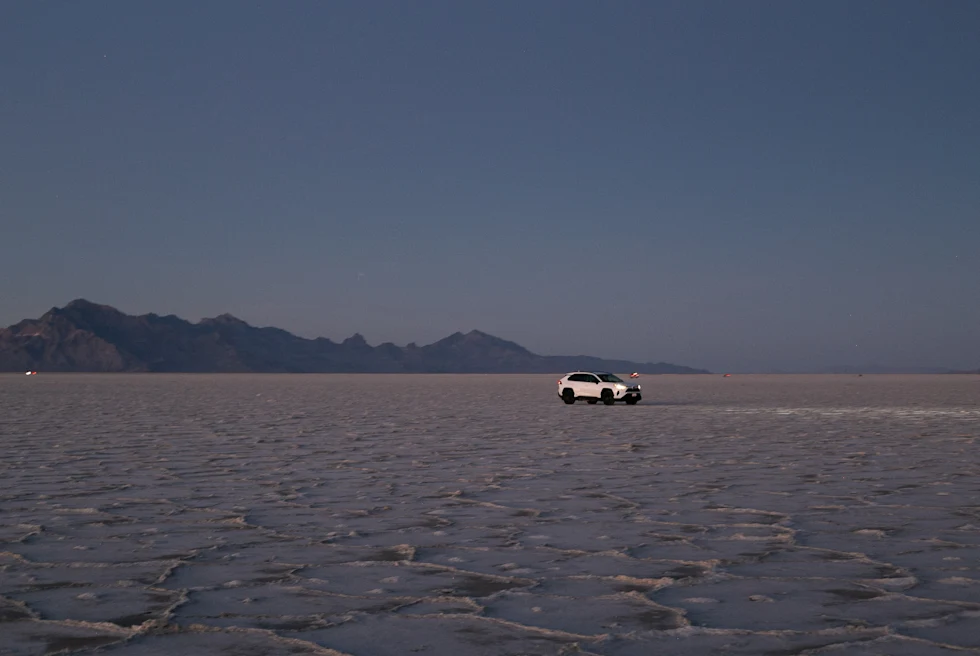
pixel 607 397
pixel 592 401
pixel 632 400
pixel 568 396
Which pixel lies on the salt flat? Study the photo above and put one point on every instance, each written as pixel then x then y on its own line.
pixel 455 515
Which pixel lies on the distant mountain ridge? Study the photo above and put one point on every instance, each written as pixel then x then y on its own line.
pixel 88 337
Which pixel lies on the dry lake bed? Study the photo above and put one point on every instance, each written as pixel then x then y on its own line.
pixel 455 515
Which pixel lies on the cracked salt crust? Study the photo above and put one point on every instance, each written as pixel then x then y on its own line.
pixel 459 515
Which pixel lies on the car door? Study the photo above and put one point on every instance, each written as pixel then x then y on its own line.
pixel 577 383
pixel 589 386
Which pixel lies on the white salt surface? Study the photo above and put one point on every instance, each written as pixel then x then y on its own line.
pixel 377 515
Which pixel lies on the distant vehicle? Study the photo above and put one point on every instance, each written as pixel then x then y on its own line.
pixel 594 386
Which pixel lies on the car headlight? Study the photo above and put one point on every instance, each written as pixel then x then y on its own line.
pixel 620 387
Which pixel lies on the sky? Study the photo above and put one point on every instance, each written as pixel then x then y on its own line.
pixel 740 186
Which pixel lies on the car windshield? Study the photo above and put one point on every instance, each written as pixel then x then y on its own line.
pixel 609 378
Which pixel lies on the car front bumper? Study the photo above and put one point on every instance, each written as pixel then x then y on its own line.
pixel 629 392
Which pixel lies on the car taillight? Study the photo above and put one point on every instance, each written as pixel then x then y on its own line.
pixel 559 381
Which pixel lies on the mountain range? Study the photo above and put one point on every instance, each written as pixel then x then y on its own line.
pixel 88 337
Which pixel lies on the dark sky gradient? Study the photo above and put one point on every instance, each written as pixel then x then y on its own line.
pixel 733 185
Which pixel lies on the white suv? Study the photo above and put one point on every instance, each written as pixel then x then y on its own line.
pixel 596 386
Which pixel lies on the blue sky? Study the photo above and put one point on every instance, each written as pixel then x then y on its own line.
pixel 747 186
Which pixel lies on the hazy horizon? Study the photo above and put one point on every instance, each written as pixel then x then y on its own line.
pixel 738 187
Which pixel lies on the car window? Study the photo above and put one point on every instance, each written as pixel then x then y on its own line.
pixel 575 378
pixel 591 379
pixel 610 378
